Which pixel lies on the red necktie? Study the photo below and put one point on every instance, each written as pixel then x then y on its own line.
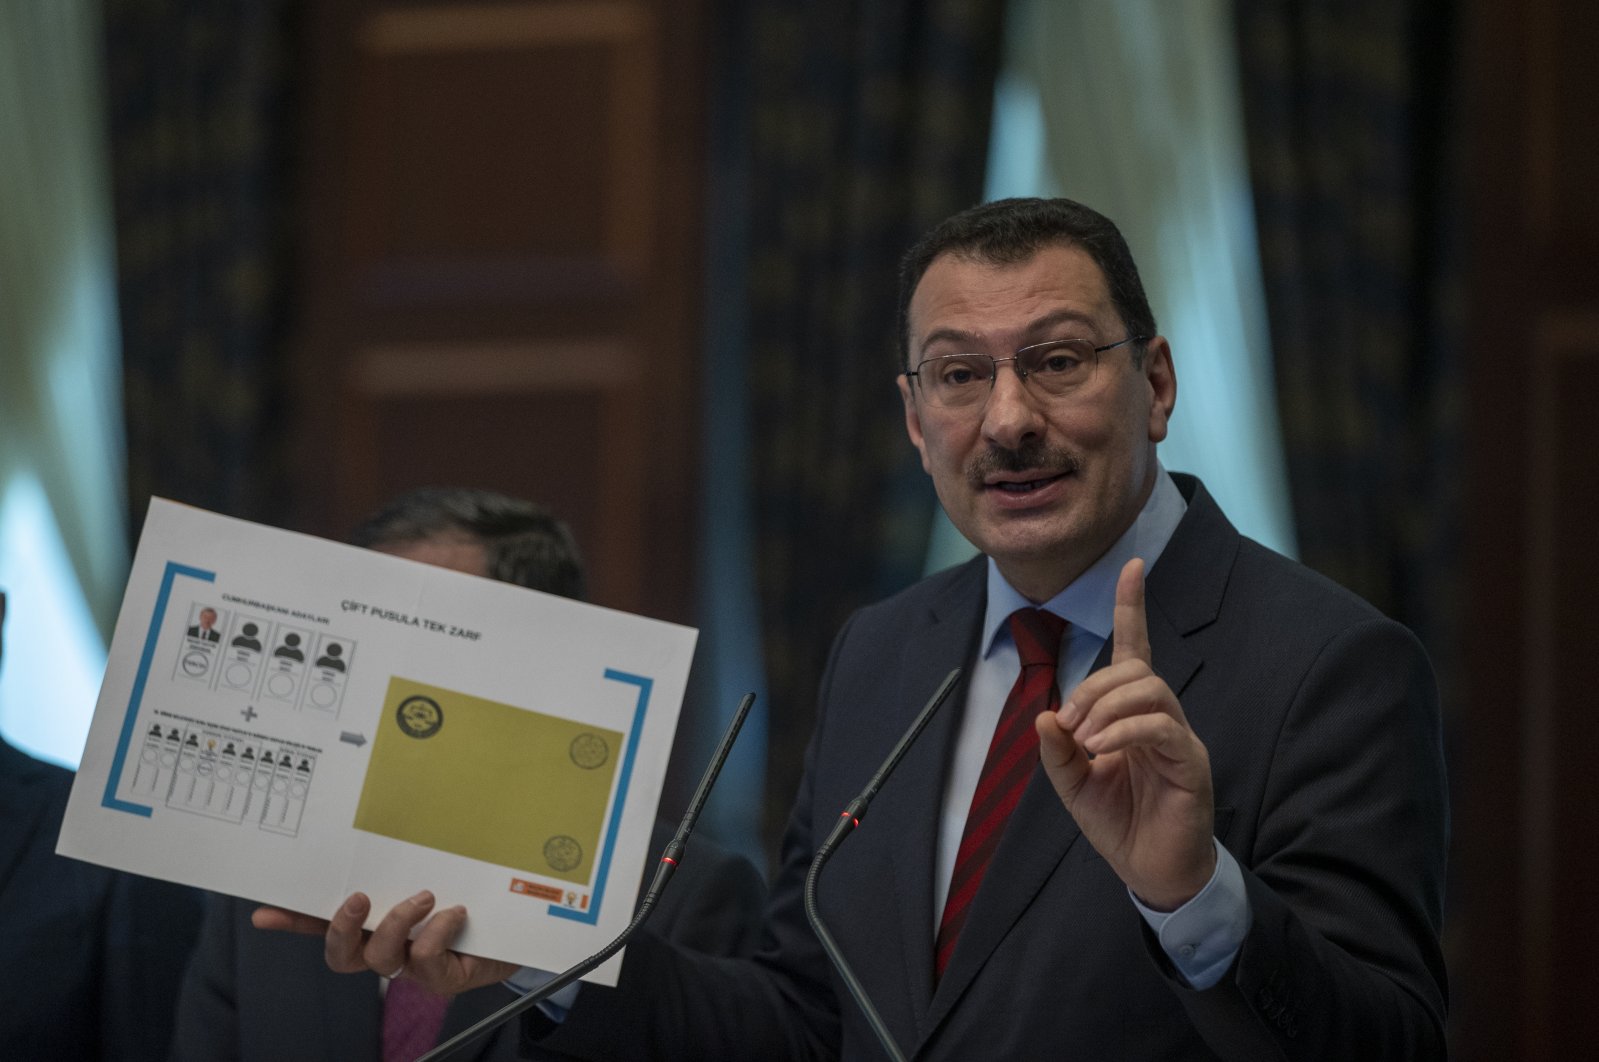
pixel 412 1018
pixel 1012 755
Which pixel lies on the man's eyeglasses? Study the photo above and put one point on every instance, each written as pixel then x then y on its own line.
pixel 1055 368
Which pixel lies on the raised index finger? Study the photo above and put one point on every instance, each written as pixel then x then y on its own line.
pixel 1130 639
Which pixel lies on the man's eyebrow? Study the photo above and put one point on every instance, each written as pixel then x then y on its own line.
pixel 1043 324
pixel 949 335
pixel 1059 317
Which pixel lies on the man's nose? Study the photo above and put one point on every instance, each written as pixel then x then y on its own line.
pixel 1013 411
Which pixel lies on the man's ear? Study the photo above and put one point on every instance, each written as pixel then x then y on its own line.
pixel 913 419
pixel 1162 378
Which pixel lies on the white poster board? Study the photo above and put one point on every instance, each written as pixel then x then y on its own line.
pixel 290 720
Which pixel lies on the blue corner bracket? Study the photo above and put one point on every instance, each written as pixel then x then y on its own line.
pixel 125 739
pixel 602 874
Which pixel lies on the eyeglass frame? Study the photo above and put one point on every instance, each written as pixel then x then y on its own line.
pixel 1016 354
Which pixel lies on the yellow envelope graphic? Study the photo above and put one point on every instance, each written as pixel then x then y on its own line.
pixel 489 781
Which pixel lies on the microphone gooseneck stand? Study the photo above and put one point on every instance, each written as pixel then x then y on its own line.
pixel 847 822
pixel 663 873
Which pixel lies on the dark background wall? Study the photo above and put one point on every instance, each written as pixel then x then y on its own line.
pixel 1527 813
pixel 498 281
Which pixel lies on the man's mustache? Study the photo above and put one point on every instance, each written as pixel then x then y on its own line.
pixel 1036 458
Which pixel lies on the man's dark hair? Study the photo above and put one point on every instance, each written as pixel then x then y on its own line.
pixel 1009 231
pixel 523 543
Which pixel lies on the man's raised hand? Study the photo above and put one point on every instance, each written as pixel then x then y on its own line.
pixel 1130 770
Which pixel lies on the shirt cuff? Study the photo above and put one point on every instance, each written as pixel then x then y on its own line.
pixel 527 979
pixel 1204 935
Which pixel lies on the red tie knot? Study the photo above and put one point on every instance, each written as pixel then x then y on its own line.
pixel 1037 635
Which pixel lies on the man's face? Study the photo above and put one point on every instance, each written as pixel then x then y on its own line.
pixel 456 552
pixel 208 618
pixel 1042 484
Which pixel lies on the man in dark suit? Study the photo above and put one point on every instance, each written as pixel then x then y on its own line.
pixel 89 957
pixel 258 996
pixel 1198 815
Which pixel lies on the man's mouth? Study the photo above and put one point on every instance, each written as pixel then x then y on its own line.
pixel 1023 486
pixel 1017 472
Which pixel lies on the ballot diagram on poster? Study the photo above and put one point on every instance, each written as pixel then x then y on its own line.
pixel 291 720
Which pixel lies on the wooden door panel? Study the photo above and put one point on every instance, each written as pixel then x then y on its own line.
pixel 497 289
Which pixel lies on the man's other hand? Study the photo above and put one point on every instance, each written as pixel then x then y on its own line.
pixel 412 941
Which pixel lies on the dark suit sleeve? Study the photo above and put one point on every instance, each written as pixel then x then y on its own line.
pixel 149 929
pixel 207 1022
pixel 714 904
pixel 258 994
pixel 1345 873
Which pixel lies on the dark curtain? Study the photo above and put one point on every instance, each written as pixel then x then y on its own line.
pixel 1348 123
pixel 198 115
pixel 869 124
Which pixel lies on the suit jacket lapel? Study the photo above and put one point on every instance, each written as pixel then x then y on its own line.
pixel 904 816
pixel 1184 591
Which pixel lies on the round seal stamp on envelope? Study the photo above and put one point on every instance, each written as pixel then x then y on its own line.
pixel 562 853
pixel 419 717
pixel 589 751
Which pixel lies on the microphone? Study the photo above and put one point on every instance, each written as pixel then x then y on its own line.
pixel 670 855
pixel 847 822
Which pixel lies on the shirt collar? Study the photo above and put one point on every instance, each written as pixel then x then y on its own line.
pixel 1089 602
